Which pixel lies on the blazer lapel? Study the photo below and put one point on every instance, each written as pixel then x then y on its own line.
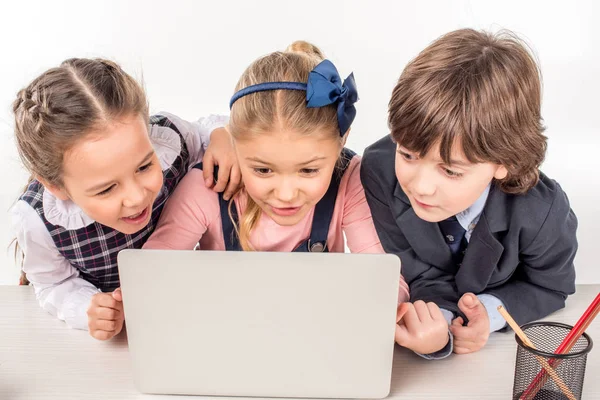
pixel 484 250
pixel 424 237
pixel 481 259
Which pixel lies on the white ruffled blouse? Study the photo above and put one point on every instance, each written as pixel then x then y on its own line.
pixel 58 286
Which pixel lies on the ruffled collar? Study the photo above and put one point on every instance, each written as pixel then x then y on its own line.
pixel 64 213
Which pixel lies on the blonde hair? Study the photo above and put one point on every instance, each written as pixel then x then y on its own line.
pixel 261 112
pixel 482 88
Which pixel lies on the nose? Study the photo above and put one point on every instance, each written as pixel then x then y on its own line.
pixel 134 195
pixel 287 190
pixel 423 183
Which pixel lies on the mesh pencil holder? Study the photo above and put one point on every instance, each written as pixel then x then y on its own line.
pixel 570 367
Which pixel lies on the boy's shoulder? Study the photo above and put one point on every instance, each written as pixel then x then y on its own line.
pixel 545 204
pixel 378 161
pixel 546 193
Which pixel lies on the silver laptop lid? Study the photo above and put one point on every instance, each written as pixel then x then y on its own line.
pixel 260 324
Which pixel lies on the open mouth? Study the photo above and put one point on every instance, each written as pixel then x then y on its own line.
pixel 137 218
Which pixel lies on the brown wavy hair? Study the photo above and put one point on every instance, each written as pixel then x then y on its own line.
pixel 481 90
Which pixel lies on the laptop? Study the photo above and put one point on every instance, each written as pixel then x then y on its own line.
pixel 260 324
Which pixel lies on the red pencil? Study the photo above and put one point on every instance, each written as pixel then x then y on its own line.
pixel 566 345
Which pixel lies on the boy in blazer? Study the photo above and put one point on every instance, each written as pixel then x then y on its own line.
pixel 456 192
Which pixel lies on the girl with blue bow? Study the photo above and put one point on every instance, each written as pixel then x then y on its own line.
pixel 290 117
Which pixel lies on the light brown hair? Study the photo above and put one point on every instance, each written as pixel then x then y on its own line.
pixel 66 104
pixel 481 90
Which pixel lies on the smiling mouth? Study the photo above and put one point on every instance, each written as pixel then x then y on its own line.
pixel 136 215
pixel 137 218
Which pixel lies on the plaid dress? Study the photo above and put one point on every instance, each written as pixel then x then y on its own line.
pixel 93 249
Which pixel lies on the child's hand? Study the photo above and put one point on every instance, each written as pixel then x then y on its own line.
pixel 220 152
pixel 470 338
pixel 421 327
pixel 105 315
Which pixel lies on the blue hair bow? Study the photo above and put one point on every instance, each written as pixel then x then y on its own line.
pixel 324 87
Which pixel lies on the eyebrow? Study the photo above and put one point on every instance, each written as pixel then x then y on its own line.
pixel 258 160
pixel 96 188
pixel 460 163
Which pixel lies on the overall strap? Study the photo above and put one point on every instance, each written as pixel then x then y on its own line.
pixel 229 235
pixel 325 207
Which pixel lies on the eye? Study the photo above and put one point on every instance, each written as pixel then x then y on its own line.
pixel 309 171
pixel 407 156
pixel 146 167
pixel 262 171
pixel 105 191
pixel 452 174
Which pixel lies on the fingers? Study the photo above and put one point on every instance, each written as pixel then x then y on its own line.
pixel 103 329
pixel 463 332
pixel 208 169
pixel 402 309
pixel 410 317
pixel 462 349
pixel 105 315
pixel 111 329
pixel 402 335
pixel 466 345
pixel 470 338
pixel 234 182
pixel 471 306
pixel 105 325
pixel 422 311
pixel 435 311
pixel 105 300
pixel 117 295
pixel 102 335
pixel 223 178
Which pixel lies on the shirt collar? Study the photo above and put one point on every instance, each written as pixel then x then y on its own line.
pixel 471 215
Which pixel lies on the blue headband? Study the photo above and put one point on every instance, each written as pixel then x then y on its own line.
pixel 324 87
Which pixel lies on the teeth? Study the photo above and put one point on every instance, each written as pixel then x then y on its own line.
pixel 136 215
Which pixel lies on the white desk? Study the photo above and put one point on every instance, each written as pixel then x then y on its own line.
pixel 40 358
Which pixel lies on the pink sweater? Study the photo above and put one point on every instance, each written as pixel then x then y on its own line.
pixel 192 215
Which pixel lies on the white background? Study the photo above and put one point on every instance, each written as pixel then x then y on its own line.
pixel 191 53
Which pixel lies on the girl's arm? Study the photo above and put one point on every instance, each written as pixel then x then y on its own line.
pixel 357 222
pixel 58 287
pixel 208 141
pixel 186 216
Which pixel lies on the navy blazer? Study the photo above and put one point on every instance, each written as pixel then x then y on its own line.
pixel 521 250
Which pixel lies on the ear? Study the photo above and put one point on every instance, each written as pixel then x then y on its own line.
pixel 501 172
pixel 58 192
pixel 345 137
